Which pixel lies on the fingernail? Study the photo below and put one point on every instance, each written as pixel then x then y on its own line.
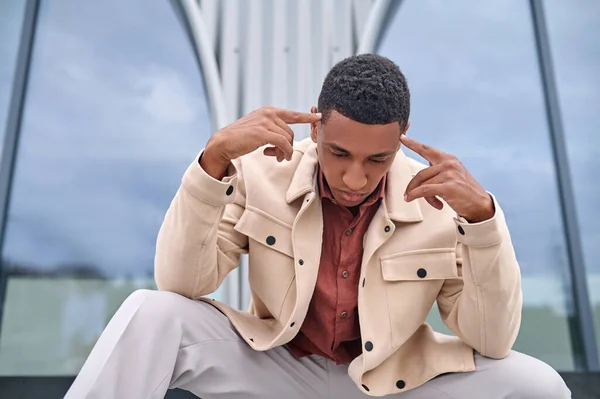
pixel 406 197
pixel 319 114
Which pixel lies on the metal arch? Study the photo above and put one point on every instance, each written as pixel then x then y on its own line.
pixel 190 13
pixel 584 317
pixel 379 20
pixel 13 126
pixel 205 54
pixel 247 74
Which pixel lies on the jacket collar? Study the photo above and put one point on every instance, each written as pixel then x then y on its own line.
pixel 304 181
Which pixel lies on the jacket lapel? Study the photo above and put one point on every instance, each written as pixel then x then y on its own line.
pixel 304 178
pixel 399 176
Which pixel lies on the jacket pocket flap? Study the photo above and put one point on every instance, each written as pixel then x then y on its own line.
pixel 266 231
pixel 428 264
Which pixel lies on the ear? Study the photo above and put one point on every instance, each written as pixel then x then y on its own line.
pixel 314 126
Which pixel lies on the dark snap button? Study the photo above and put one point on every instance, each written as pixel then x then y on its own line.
pixel 461 230
pixel 344 314
pixel 366 388
pixel 229 190
pixel 293 323
pixel 369 346
pixel 270 240
pixel 387 229
pixel 400 384
pixel 345 274
pixel 300 262
pixel 348 232
pixel 422 273
pixel 252 339
pixel 364 282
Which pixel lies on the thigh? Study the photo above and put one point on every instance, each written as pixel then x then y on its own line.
pixel 221 365
pixel 518 376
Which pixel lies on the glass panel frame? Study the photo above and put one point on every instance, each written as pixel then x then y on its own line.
pixel 115 113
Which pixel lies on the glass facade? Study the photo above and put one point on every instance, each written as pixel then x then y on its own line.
pixel 11 19
pixel 477 93
pixel 114 113
pixel 574 30
pixel 115 109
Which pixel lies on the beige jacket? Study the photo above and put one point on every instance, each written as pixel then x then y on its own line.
pixel 413 256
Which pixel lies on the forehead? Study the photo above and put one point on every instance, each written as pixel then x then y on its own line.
pixel 359 138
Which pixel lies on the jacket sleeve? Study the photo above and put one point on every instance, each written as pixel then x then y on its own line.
pixel 197 245
pixel 483 308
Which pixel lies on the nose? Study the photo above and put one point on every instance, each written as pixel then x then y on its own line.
pixel 355 178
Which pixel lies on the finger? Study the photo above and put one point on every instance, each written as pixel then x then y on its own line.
pixel 426 190
pixel 279 141
pixel 435 202
pixel 274 152
pixel 297 117
pixel 431 154
pixel 423 176
pixel 436 179
pixel 274 128
pixel 285 127
pixel 270 151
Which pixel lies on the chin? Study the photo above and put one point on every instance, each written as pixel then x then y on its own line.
pixel 349 203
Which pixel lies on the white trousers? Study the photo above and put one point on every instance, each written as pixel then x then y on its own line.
pixel 160 340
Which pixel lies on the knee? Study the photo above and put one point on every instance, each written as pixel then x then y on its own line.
pixel 535 379
pixel 157 307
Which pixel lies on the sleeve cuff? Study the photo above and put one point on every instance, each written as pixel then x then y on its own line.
pixel 482 234
pixel 207 189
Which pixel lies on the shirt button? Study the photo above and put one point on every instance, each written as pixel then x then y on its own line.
pixel 229 190
pixel 345 274
pixel 387 229
pixel 348 232
pixel 461 230
pixel 344 315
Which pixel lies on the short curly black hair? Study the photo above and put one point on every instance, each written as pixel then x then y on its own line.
pixel 366 88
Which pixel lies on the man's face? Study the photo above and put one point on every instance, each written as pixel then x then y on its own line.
pixel 353 156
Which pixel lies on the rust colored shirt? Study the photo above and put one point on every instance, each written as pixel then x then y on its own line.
pixel 331 326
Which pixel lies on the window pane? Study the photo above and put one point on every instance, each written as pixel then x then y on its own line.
pixel 114 114
pixel 11 18
pixel 476 92
pixel 574 29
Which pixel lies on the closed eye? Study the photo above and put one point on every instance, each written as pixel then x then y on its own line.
pixel 378 160
pixel 339 154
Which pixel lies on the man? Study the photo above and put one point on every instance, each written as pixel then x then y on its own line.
pixel 350 243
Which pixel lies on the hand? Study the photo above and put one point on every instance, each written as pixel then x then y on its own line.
pixel 266 125
pixel 447 178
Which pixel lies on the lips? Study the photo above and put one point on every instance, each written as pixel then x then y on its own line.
pixel 351 197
